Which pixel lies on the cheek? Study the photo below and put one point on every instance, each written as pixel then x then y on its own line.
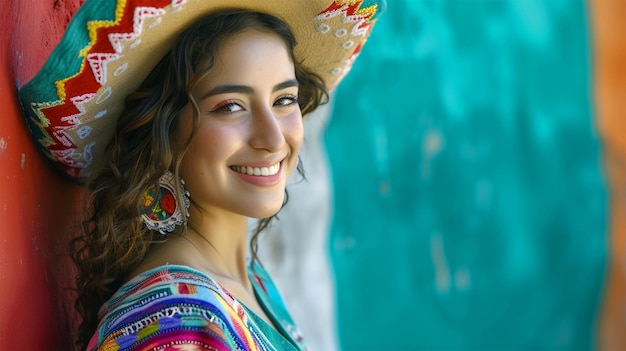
pixel 213 144
pixel 205 147
pixel 293 130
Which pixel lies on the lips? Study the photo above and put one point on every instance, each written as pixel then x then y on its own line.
pixel 257 171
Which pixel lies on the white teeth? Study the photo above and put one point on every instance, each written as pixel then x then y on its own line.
pixel 263 171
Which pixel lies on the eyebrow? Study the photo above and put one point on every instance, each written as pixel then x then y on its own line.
pixel 286 84
pixel 245 89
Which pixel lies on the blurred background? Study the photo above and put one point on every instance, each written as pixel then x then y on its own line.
pixel 465 189
pixel 472 201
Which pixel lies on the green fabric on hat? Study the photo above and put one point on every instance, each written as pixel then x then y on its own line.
pixel 90 11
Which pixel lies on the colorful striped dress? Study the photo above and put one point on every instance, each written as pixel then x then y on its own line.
pixel 179 308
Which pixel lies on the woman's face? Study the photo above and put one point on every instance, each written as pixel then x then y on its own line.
pixel 250 128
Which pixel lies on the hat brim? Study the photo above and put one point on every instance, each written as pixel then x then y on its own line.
pixel 110 47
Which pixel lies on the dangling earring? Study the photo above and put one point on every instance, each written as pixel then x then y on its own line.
pixel 161 210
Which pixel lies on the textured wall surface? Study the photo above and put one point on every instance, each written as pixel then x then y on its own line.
pixel 471 202
pixel 36 205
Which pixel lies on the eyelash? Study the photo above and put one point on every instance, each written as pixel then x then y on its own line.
pixel 223 106
pixel 292 98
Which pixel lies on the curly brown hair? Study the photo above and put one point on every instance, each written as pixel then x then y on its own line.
pixel 113 239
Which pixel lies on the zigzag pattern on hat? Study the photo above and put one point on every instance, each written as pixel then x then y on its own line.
pixel 106 45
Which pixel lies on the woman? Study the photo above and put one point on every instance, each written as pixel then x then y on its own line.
pixel 163 263
pixel 229 123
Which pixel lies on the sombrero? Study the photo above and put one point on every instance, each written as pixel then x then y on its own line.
pixel 110 46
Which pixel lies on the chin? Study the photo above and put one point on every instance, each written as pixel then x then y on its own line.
pixel 263 209
pixel 264 213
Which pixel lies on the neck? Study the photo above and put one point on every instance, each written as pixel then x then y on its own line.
pixel 222 242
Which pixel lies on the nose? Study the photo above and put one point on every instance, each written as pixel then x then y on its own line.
pixel 266 130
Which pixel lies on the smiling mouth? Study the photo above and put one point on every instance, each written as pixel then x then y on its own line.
pixel 257 171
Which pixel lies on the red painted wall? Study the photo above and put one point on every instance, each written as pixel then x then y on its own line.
pixel 37 206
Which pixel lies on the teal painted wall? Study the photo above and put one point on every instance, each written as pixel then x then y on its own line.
pixel 470 202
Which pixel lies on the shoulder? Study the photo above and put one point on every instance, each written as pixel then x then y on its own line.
pixel 171 305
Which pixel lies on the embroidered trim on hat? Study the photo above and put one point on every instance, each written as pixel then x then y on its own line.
pixel 106 45
pixel 355 21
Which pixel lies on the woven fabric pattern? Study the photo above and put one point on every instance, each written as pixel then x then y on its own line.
pixel 176 307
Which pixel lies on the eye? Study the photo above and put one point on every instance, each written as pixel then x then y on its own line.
pixel 286 100
pixel 228 106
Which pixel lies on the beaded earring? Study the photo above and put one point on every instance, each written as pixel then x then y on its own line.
pixel 161 210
